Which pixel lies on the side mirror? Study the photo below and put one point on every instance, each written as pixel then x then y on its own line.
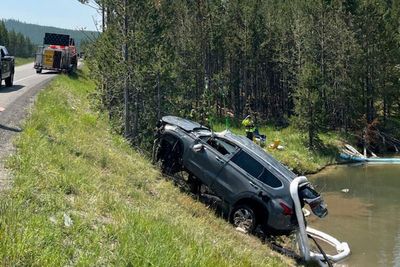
pixel 198 147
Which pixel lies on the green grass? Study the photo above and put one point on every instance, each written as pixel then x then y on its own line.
pixel 22 61
pixel 68 163
pixel 295 154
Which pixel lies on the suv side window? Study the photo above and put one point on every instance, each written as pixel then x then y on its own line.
pixel 268 178
pixel 222 146
pixel 248 164
pixel 255 169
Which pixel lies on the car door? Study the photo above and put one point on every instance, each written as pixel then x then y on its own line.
pixel 207 159
pixel 2 67
pixel 237 177
pixel 5 63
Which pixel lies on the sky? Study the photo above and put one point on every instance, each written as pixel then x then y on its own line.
pixel 69 14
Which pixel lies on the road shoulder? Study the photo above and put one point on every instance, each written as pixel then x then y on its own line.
pixel 11 120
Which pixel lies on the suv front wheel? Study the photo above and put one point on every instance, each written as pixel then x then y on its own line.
pixel 10 80
pixel 244 217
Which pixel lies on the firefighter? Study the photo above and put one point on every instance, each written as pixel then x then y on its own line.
pixel 249 126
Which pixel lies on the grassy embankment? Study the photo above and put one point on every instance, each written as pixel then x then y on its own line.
pixel 22 61
pixel 68 164
pixel 295 154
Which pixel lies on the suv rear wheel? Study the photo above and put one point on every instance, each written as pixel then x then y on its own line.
pixel 244 217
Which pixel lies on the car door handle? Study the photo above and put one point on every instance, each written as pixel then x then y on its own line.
pixel 253 185
pixel 219 159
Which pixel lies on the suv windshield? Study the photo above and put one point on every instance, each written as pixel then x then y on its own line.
pixel 222 146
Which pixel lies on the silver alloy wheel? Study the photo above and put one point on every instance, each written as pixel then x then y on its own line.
pixel 244 218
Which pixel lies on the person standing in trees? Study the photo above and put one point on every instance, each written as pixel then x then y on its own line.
pixel 249 126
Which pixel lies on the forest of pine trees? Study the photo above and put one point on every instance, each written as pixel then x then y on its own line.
pixel 36 32
pixel 320 65
pixel 16 43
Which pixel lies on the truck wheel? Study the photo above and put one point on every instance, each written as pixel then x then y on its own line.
pixel 10 80
pixel 171 156
pixel 194 184
pixel 38 71
pixel 244 217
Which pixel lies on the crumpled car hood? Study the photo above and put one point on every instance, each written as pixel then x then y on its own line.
pixel 185 124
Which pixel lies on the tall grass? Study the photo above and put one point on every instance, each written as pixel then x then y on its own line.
pixel 295 153
pixel 82 196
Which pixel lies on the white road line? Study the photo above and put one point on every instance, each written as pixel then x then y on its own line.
pixel 25 78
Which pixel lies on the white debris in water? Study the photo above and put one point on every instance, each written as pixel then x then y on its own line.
pixel 306 212
pixel 345 190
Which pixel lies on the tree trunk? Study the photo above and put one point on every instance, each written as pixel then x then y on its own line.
pixel 127 131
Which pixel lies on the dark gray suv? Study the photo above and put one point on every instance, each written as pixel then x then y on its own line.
pixel 253 187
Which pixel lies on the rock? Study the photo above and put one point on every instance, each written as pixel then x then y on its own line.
pixel 240 229
pixel 53 219
pixel 67 220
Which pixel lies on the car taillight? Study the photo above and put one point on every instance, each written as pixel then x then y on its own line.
pixel 286 209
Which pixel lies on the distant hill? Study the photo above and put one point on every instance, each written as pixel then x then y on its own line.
pixel 36 32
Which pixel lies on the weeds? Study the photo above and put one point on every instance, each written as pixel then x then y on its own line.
pixel 295 153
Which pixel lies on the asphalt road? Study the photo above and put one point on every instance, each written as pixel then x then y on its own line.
pixel 15 102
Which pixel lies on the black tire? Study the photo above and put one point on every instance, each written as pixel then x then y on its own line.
pixel 170 155
pixel 155 152
pixel 244 217
pixel 10 80
pixel 194 184
pixel 38 71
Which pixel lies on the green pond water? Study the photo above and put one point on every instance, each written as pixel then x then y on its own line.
pixel 367 217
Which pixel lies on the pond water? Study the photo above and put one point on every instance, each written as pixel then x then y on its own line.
pixel 364 210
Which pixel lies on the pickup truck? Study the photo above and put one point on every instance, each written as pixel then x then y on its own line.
pixel 7 67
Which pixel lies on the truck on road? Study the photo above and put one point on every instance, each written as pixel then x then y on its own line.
pixel 7 67
pixel 58 53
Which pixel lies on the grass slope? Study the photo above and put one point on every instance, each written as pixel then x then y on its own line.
pixel 22 61
pixel 295 154
pixel 69 165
